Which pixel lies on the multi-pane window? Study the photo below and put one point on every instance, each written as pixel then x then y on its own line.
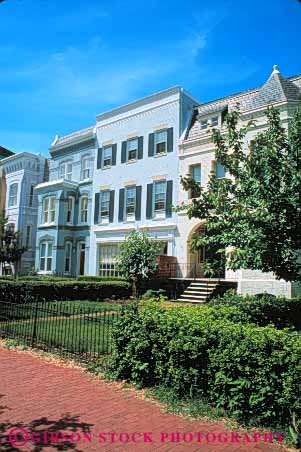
pixel 132 149
pixel 83 209
pixel 107 157
pixel 85 168
pixel 196 176
pixel 108 255
pixel 213 121
pixel 161 142
pixel 104 205
pixel 70 207
pixel 12 196
pixel 28 236
pixel 220 171
pixel 49 210
pixel 130 203
pixel 159 197
pixel 68 254
pixel 46 257
pixel 66 170
pixel 31 196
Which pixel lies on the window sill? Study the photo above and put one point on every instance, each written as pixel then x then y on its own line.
pixel 106 167
pixel 161 154
pixel 129 162
pixel 159 217
pixel 85 181
pixel 46 225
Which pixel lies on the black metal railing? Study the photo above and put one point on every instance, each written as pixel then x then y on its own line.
pixel 61 327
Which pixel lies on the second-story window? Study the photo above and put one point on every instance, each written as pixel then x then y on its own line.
pixel 159 198
pixel 196 176
pixel 83 209
pixel 220 171
pixel 49 209
pixel 12 196
pixel 161 142
pixel 70 208
pixel 107 157
pixel 66 170
pixel 31 196
pixel 132 149
pixel 212 121
pixel 85 168
pixel 104 206
pixel 130 203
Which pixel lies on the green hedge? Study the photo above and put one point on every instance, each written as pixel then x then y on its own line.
pixel 252 372
pixel 63 290
pixel 100 278
pixel 263 310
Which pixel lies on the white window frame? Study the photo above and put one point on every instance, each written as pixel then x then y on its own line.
pixel 213 120
pixel 104 218
pixel 158 140
pixel 71 221
pixel 68 244
pixel 107 259
pixel 47 257
pixel 65 170
pixel 130 148
pixel 50 212
pixel 85 170
pixel 104 159
pixel 159 213
pixel 127 215
pixel 83 211
pixel 13 197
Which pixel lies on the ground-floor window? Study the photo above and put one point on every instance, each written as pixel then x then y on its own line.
pixel 46 256
pixel 107 260
pixel 68 254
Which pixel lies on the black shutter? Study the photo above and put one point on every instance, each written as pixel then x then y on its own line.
pixel 111 210
pixel 170 139
pixel 114 152
pixel 169 198
pixel 151 144
pixel 138 203
pixel 96 208
pixel 149 201
pixel 99 158
pixel 121 205
pixel 140 148
pixel 123 152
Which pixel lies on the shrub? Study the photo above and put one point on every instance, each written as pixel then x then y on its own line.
pixel 252 372
pixel 265 309
pixel 63 290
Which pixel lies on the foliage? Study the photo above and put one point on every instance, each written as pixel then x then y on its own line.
pixel 137 258
pixel 63 290
pixel 157 295
pixel 253 215
pixel 11 249
pixel 263 310
pixel 251 372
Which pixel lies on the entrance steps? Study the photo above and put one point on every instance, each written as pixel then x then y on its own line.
pixel 198 292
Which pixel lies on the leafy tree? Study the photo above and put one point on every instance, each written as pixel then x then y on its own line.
pixel 137 259
pixel 11 249
pixel 253 215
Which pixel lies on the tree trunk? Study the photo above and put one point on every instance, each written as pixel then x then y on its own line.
pixel 134 289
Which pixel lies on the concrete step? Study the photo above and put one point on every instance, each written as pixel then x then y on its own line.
pixel 196 284
pixel 194 296
pixel 201 290
pixel 191 300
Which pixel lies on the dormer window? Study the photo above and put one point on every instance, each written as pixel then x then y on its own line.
pixel 211 121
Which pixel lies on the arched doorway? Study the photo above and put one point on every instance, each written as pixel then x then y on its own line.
pixel 197 259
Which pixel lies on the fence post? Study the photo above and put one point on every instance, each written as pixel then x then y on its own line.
pixel 34 333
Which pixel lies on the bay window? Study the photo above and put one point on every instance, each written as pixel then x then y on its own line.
pixel 70 209
pixel 68 256
pixel 83 209
pixel 12 196
pixel 49 210
pixel 46 256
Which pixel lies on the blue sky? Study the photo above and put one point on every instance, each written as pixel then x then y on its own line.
pixel 63 62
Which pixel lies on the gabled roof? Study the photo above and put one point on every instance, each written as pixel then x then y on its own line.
pixel 276 89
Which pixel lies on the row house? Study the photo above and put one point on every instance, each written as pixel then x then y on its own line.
pixel 20 173
pixel 123 173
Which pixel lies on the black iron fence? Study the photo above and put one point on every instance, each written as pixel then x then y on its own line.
pixel 60 327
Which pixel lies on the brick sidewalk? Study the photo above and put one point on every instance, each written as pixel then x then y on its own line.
pixel 39 396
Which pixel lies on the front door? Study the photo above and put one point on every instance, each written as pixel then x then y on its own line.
pixel 82 255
